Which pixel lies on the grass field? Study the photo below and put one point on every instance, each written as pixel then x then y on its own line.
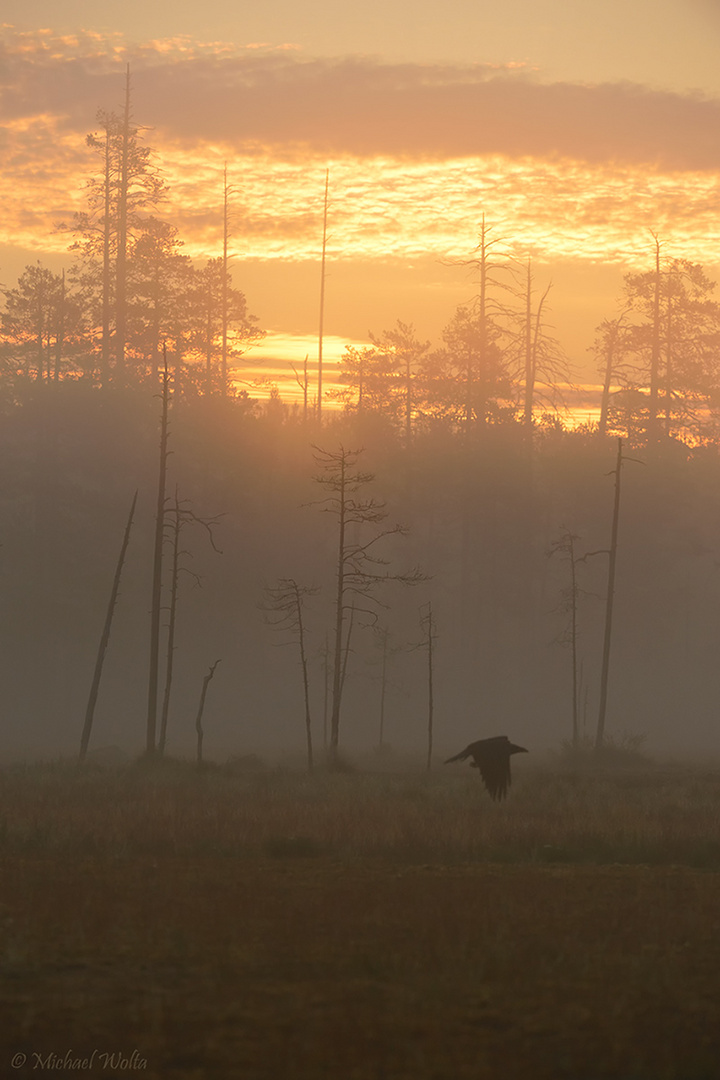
pixel 274 925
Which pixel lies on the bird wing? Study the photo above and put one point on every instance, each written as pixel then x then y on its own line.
pixel 462 755
pixel 494 769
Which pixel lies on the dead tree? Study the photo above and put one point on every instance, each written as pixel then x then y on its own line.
pixel 565 545
pixel 201 709
pixel 600 735
pixel 611 552
pixel 105 636
pixel 283 607
pixel 359 571
pixel 182 515
pixel 303 384
pixel 322 301
pixel 157 564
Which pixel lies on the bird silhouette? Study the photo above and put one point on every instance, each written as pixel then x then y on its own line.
pixel 492 758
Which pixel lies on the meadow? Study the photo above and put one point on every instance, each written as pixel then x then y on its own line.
pixel 261 923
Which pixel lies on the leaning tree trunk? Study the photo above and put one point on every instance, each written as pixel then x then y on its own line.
pixel 609 605
pixel 201 709
pixel 105 636
pixel 171 627
pixel 157 568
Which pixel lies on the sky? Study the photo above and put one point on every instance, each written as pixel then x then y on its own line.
pixel 578 130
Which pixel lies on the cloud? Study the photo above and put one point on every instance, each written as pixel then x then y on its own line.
pixel 275 97
pixel 416 153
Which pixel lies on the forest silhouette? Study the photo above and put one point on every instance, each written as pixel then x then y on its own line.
pixel 466 445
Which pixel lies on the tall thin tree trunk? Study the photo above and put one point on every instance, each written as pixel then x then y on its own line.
pixel 326 689
pixel 223 362
pixel 172 614
pixel 209 341
pixel 105 342
pixel 346 651
pixel 529 372
pixel 105 636
pixel 157 566
pixel 339 617
pixel 122 237
pixel 306 687
pixel 669 373
pixel 60 335
pixel 609 605
pixel 201 708
pixel 41 316
pixel 482 372
pixel 322 301
pixel 655 353
pixel 605 399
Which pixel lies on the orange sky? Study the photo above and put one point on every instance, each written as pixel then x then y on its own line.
pixel 574 173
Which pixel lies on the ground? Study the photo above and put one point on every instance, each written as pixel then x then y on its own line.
pixel 280 926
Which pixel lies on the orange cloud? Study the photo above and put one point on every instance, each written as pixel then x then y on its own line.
pixel 240 94
pixel 416 152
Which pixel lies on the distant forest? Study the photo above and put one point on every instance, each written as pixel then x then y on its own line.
pixel 440 519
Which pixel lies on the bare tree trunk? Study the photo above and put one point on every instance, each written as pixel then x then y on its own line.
pixel 306 688
pixel 339 616
pixel 201 709
pixel 481 409
pixel 105 636
pixel 322 300
pixel 669 374
pixel 223 362
pixel 60 334
pixel 655 353
pixel 209 341
pixel 157 566
pixel 529 372
pixel 347 650
pixel 326 680
pixel 605 399
pixel 40 329
pixel 121 258
pixel 105 343
pixel 171 628
pixel 609 604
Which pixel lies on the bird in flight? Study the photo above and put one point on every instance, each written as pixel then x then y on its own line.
pixel 492 758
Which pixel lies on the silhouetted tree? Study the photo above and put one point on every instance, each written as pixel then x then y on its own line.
pixel 127 191
pixel 359 570
pixel 105 636
pixel 542 363
pixel 402 353
pixel 216 308
pixel 284 610
pixel 39 321
pixel 201 709
pixel 156 593
pixel 565 546
pixel 180 515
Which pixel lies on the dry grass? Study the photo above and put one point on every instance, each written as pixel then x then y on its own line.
pixel 273 925
pixel 649 816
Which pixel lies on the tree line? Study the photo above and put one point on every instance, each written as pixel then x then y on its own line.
pixel 130 292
